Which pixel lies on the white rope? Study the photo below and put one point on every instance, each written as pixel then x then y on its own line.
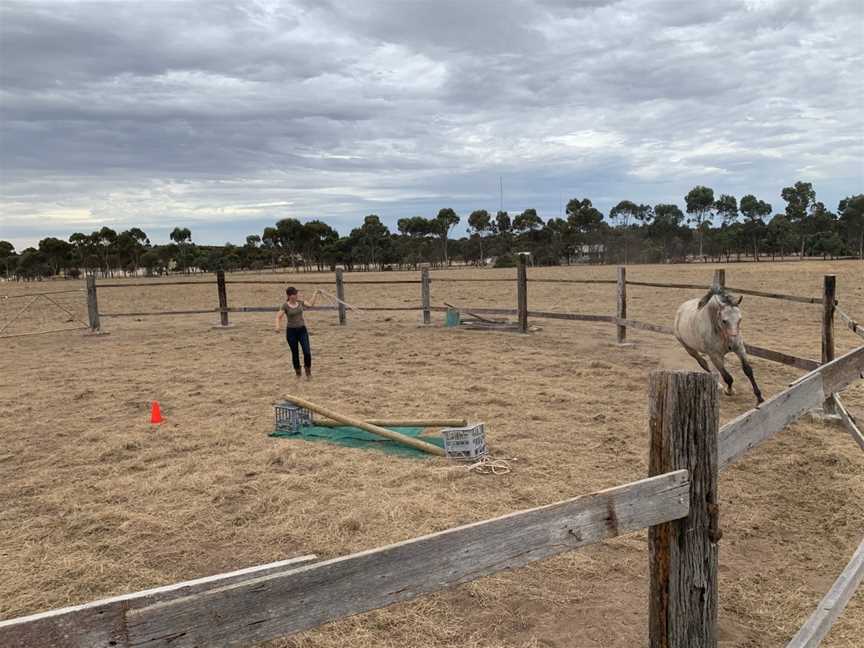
pixel 336 299
pixel 487 465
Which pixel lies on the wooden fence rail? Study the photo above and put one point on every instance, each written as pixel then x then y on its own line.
pixel 832 604
pixel 522 312
pixel 290 601
pixel 810 391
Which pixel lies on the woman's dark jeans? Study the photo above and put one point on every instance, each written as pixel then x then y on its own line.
pixel 299 337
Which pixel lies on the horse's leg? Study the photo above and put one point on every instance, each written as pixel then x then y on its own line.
pixel 748 371
pixel 717 359
pixel 693 352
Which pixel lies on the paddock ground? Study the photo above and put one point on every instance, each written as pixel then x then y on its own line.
pixel 96 502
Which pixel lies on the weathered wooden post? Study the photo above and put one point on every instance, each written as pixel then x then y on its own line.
pixel 340 296
pixel 829 300
pixel 425 295
pixel 719 279
pixel 522 294
pixel 223 297
pixel 684 414
pixel 92 305
pixel 622 303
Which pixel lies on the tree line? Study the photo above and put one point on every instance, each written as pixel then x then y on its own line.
pixel 713 228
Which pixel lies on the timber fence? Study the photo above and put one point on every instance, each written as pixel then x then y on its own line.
pixel 523 314
pixel 677 503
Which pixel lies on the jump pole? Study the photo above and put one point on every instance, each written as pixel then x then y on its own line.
pixel 363 425
pixel 426 423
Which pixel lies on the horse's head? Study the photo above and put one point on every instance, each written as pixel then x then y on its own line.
pixel 725 313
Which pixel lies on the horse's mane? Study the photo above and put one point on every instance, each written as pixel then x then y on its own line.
pixel 722 296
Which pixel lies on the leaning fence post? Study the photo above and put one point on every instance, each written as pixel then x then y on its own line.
pixel 719 279
pixel 829 297
pixel 622 303
pixel 425 295
pixel 522 294
pixel 223 297
pixel 340 297
pixel 92 304
pixel 683 419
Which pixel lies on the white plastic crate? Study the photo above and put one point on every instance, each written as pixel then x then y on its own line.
pixel 289 417
pixel 465 443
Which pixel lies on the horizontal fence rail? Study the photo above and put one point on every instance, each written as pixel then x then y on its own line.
pixel 287 602
pixel 750 429
pixel 102 623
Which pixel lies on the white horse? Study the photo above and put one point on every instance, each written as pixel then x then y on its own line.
pixel 712 325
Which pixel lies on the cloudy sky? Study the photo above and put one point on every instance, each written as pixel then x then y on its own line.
pixel 227 116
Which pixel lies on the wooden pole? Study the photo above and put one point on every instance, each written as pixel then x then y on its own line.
pixel 92 304
pixel 719 279
pixel 340 295
pixel 684 413
pixel 415 422
pixel 223 297
pixel 522 294
pixel 622 303
pixel 425 295
pixel 829 295
pixel 363 425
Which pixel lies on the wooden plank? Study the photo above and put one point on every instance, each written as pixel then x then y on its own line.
pixel 843 371
pixel 684 410
pixel 280 282
pixel 222 293
pixel 832 604
pixel 575 281
pixel 340 296
pixel 783 358
pixel 425 295
pixel 791 298
pixel 621 331
pixel 472 314
pixel 644 326
pixel 848 421
pixel 571 316
pixel 407 422
pixel 853 326
pixel 273 606
pixel 668 285
pixel 522 294
pixel 102 623
pixel 92 305
pixel 157 284
pixel 829 297
pixel 719 282
pixel 757 425
pixel 154 313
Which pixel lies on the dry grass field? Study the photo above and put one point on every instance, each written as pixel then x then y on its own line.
pixel 94 501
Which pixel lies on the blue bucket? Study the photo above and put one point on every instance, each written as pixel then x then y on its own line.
pixel 452 317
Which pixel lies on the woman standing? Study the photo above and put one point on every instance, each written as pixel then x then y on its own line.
pixel 295 328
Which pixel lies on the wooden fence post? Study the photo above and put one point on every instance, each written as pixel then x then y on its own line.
pixel 719 279
pixel 622 303
pixel 522 294
pixel 425 295
pixel 829 296
pixel 684 413
pixel 223 297
pixel 92 305
pixel 340 295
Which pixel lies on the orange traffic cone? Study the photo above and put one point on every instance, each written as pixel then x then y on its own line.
pixel 155 413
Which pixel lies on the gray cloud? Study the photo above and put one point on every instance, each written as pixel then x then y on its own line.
pixel 221 114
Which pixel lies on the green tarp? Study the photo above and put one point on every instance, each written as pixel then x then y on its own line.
pixel 357 438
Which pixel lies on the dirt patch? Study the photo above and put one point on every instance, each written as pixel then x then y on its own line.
pixel 95 502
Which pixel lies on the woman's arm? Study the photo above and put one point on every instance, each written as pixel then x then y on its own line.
pixel 314 299
pixel 279 317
